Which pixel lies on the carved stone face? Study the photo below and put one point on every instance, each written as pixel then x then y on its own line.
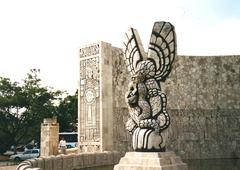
pixel 132 94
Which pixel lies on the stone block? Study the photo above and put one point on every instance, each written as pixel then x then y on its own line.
pixel 67 162
pixel 57 162
pixel 48 163
pixel 89 159
pixel 99 159
pixel 78 161
pixel 41 163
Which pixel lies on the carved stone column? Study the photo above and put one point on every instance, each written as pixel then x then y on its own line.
pixel 95 107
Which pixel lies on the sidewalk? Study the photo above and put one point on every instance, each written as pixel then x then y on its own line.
pixel 5 164
pixel 8 167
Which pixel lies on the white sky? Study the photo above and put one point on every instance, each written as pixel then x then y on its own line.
pixel 47 34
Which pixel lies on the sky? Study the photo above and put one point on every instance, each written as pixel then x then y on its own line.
pixel 48 34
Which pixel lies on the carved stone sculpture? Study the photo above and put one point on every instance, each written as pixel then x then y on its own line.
pixel 146 102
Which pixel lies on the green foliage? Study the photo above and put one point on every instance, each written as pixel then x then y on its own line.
pixel 67 113
pixel 23 108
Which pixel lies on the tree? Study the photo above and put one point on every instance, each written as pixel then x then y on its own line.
pixel 12 102
pixel 67 113
pixel 23 107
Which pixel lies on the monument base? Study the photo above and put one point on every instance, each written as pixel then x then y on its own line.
pixel 151 161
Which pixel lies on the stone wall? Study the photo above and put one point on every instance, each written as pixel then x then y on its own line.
pixel 122 139
pixel 203 101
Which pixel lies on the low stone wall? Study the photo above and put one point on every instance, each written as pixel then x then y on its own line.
pixel 71 162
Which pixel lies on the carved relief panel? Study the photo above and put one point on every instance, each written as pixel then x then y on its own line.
pixel 89 99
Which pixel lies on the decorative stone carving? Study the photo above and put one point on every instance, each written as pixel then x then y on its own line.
pixel 89 51
pixel 89 99
pixel 146 102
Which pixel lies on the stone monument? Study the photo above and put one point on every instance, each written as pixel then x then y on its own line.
pixel 146 102
pixel 95 97
pixel 49 137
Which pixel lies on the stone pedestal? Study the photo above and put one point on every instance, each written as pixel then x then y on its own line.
pixel 151 161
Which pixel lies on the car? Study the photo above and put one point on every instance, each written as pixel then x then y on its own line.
pixel 8 153
pixel 71 146
pixel 28 154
